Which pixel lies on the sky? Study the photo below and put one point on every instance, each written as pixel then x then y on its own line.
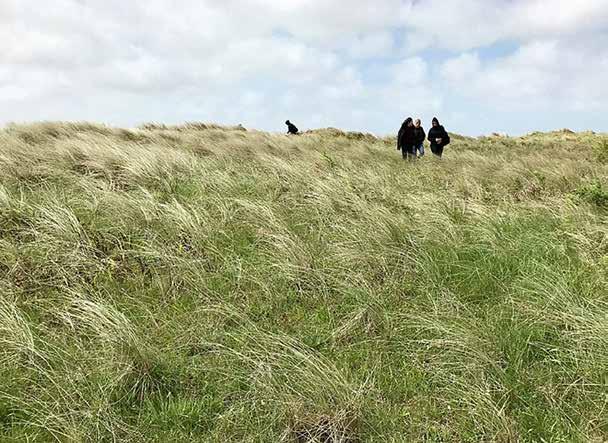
pixel 480 66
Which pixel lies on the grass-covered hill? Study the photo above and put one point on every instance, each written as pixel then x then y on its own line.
pixel 210 284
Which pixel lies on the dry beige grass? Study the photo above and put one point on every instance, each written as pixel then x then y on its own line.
pixel 202 283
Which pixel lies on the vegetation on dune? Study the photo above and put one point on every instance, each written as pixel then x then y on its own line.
pixel 212 284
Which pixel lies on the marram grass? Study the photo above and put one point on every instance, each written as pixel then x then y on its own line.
pixel 207 284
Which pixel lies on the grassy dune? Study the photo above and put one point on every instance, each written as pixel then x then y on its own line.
pixel 210 284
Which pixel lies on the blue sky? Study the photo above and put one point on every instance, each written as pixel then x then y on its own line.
pixel 481 66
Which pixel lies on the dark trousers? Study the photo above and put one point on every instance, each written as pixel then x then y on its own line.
pixel 408 152
pixel 437 150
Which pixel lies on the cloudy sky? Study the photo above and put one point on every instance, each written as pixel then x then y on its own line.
pixel 481 66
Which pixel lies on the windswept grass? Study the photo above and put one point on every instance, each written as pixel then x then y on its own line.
pixel 202 283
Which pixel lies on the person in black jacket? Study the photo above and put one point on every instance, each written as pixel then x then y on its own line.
pixel 291 128
pixel 419 136
pixel 438 137
pixel 406 140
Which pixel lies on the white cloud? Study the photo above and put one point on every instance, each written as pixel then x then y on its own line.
pixel 360 64
pixel 539 75
pixel 411 71
pixel 461 69
pixel 469 24
pixel 378 44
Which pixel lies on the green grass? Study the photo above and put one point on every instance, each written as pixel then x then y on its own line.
pixel 201 283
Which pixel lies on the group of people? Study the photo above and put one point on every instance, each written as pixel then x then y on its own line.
pixel 411 137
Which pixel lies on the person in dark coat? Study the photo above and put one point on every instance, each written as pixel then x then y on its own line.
pixel 438 137
pixel 419 136
pixel 406 140
pixel 291 128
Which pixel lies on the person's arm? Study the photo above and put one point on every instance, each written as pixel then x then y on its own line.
pixel 399 139
pixel 446 140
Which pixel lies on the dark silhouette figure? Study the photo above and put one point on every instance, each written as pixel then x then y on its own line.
pixel 438 137
pixel 406 140
pixel 291 128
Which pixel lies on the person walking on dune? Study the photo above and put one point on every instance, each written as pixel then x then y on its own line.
pixel 291 128
pixel 438 137
pixel 419 136
pixel 406 140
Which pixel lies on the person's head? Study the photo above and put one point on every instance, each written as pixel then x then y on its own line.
pixel 409 122
pixel 288 122
pixel 417 123
pixel 435 121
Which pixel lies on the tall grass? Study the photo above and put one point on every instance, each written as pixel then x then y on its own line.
pixel 204 283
